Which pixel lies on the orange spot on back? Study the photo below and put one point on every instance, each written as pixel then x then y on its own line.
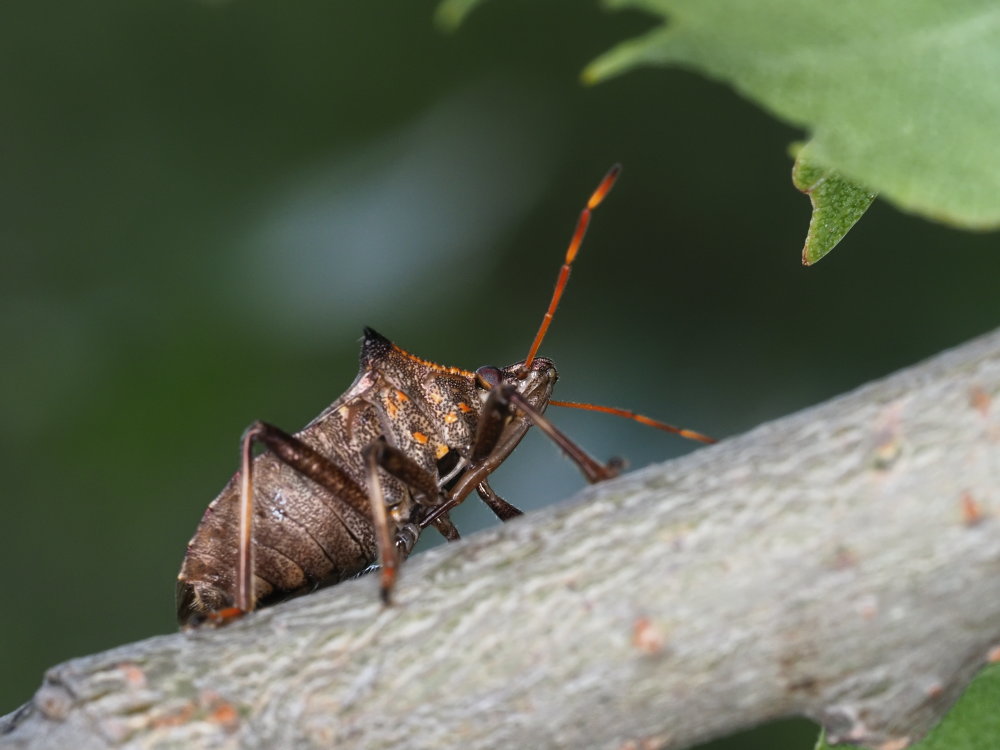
pixel 464 407
pixel 420 438
pixel 450 418
pixel 402 397
pixel 441 451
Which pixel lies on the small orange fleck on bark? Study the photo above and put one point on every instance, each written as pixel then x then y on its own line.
pixel 886 454
pixel 175 718
pixel 979 399
pixel 888 438
pixel 867 606
pixel 844 558
pixel 972 510
pixel 647 637
pixel 225 714
pixel 133 675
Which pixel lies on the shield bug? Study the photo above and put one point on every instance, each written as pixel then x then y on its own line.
pixel 408 441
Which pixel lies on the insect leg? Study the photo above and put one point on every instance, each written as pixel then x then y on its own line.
pixel 504 399
pixel 485 459
pixel 487 454
pixel 492 420
pixel 396 463
pixel 384 538
pixel 500 507
pixel 379 454
pixel 303 459
pixel 592 469
pixel 446 528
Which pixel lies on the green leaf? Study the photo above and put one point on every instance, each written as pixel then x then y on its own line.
pixel 900 95
pixel 973 723
pixel 821 741
pixel 837 204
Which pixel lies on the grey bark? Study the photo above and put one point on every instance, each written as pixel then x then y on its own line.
pixel 842 563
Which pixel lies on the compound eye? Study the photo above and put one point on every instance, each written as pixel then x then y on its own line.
pixel 488 377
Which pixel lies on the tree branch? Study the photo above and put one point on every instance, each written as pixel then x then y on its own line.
pixel 842 563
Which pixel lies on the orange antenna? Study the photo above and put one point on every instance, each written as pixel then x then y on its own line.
pixel 689 434
pixel 574 246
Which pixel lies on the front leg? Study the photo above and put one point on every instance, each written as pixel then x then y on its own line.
pixel 394 544
pixel 496 412
pixel 500 507
pixel 490 448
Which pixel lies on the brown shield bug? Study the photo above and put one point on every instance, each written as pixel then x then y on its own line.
pixel 407 442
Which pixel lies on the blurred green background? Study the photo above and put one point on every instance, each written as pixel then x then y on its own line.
pixel 201 204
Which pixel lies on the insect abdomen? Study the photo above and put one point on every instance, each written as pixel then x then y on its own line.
pixel 303 538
